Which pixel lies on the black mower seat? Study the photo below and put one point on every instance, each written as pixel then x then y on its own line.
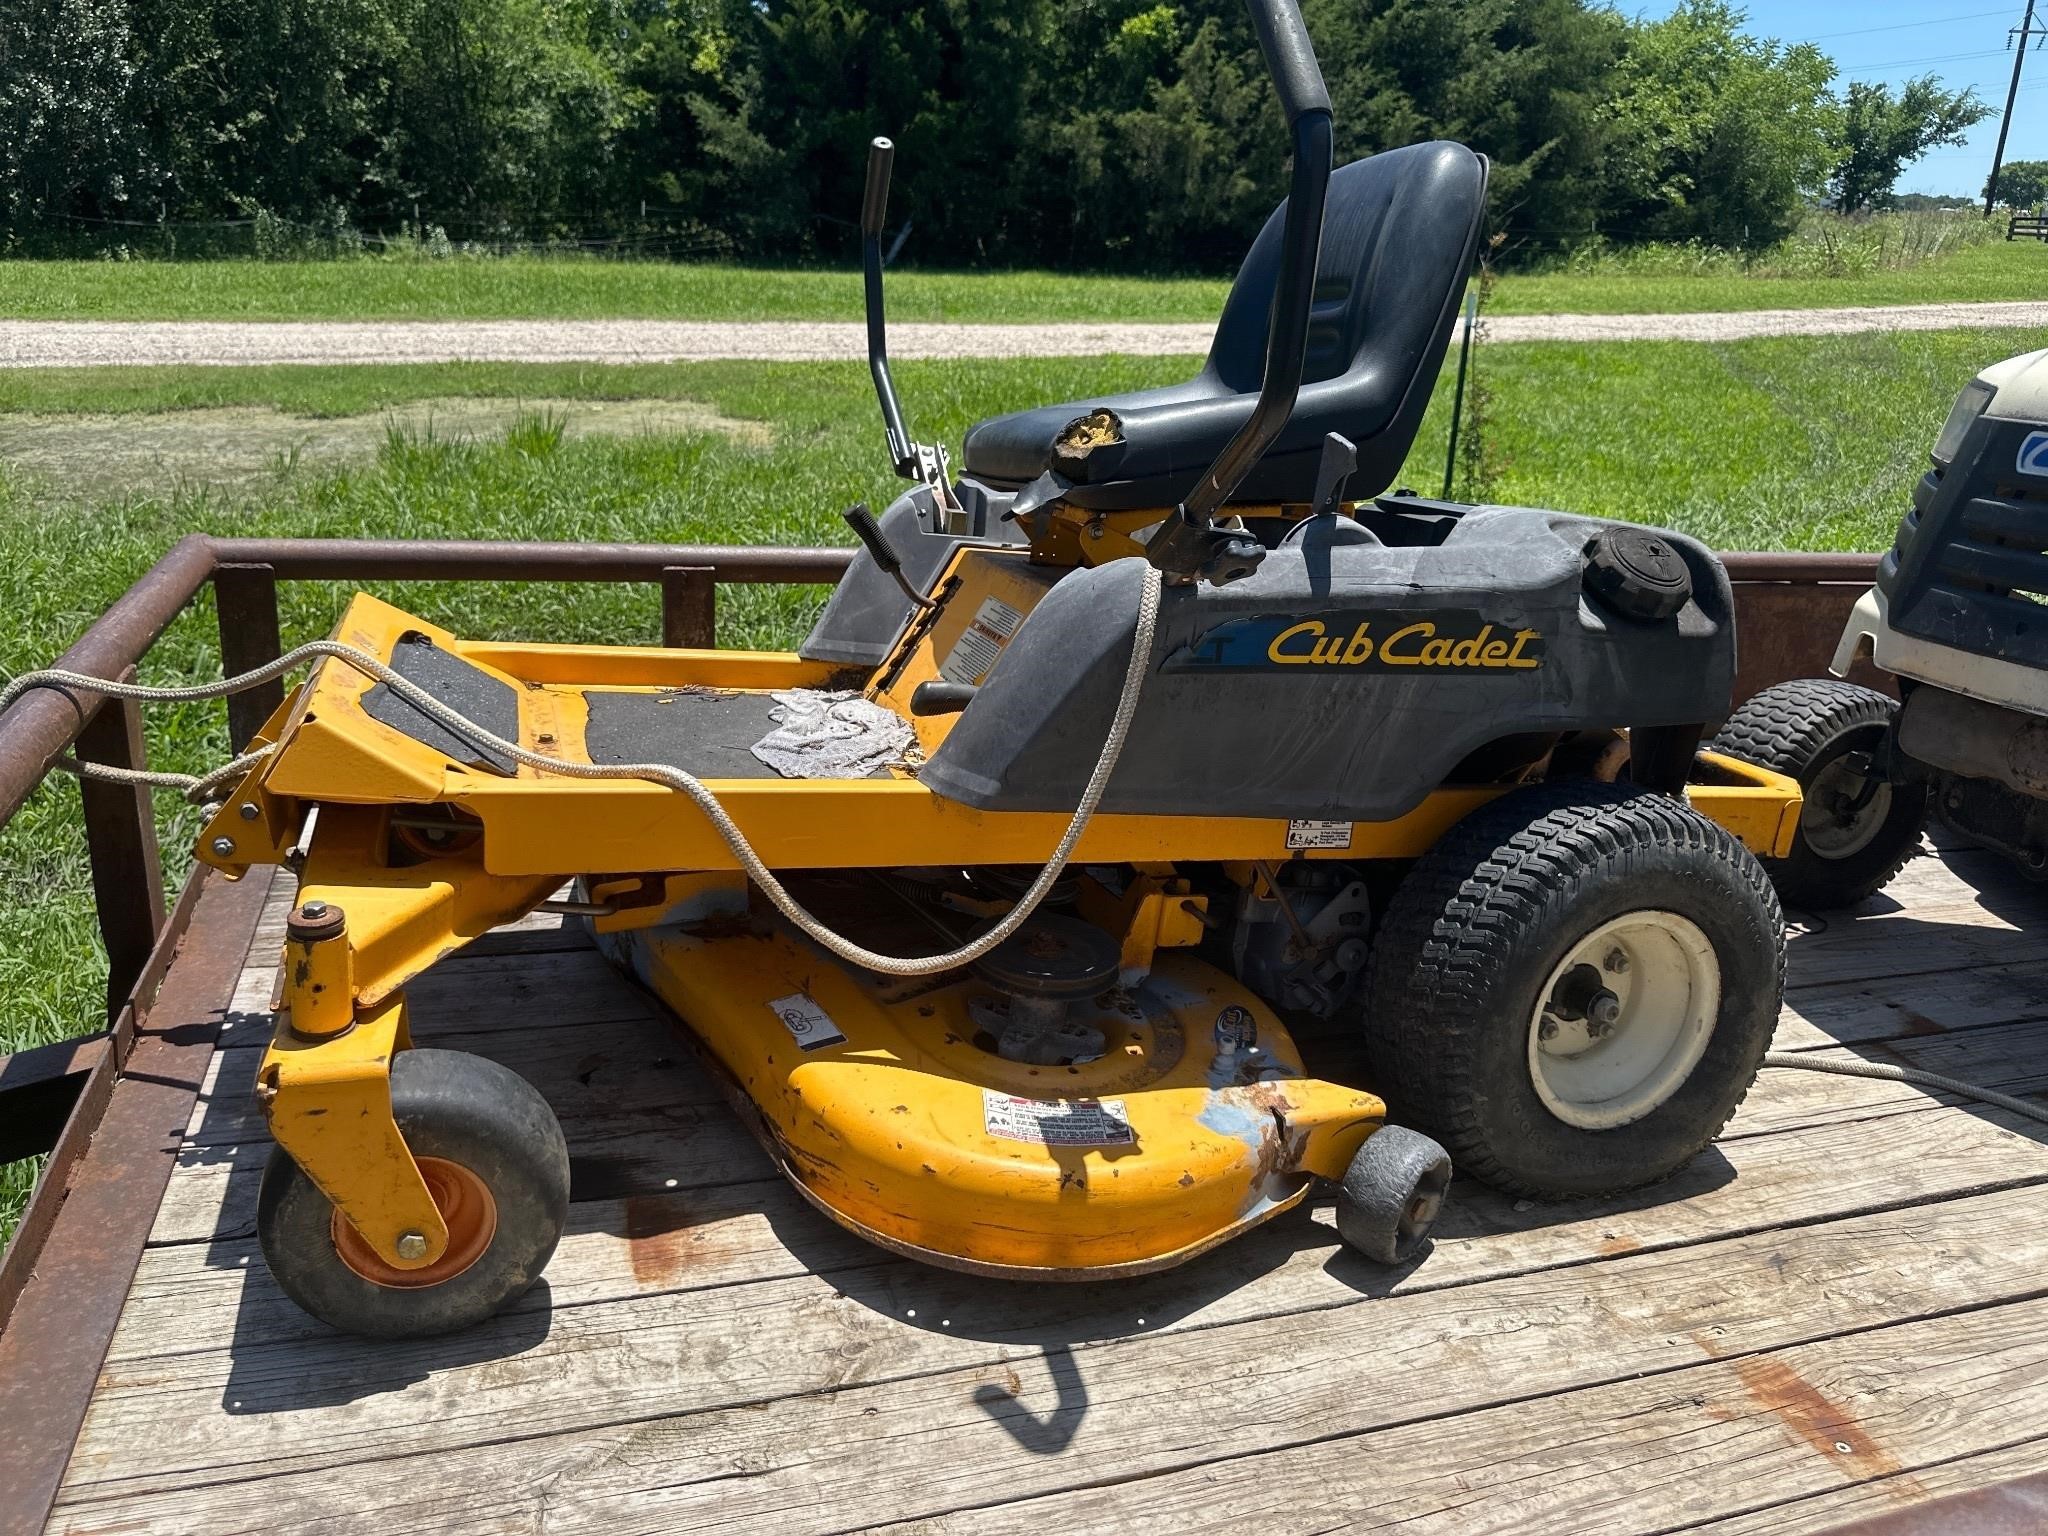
pixel 1398 238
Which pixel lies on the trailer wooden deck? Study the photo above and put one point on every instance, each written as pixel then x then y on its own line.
pixel 1841 1310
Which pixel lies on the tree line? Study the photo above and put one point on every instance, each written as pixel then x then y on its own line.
pixel 1131 134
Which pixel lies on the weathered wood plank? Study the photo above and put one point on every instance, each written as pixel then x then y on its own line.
pixel 526 990
pixel 1928 937
pixel 633 1355
pixel 1653 1455
pixel 1823 1512
pixel 696 1236
pixel 2007 1058
pixel 1004 1430
pixel 197 1296
pixel 212 1193
pixel 1891 1008
pixel 586 1068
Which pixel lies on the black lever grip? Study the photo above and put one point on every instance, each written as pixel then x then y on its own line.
pixel 1337 465
pixel 1290 57
pixel 881 155
pixel 934 696
pixel 869 532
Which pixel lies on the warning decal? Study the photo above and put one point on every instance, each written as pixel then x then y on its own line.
pixel 1318 834
pixel 808 1024
pixel 1057 1122
pixel 981 642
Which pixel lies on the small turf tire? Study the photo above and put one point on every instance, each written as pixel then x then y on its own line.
pixel 1392 1194
pixel 492 1153
pixel 1574 989
pixel 1807 730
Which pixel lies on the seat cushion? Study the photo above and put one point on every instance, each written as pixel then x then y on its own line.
pixel 1399 231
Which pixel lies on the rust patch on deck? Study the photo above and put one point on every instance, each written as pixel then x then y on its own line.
pixel 1821 1422
pixel 657 1243
pixel 1911 1023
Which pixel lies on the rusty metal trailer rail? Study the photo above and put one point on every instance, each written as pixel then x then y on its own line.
pixel 110 1108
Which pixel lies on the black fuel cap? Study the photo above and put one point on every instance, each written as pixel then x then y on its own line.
pixel 1637 573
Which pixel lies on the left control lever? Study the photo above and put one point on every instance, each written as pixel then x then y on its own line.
pixel 869 532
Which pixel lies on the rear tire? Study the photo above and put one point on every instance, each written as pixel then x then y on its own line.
pixel 1575 988
pixel 1806 730
pixel 492 1153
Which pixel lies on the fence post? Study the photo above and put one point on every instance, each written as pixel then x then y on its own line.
pixel 245 596
pixel 689 607
pixel 120 841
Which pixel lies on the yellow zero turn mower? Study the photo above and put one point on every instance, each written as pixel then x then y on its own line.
pixel 1155 728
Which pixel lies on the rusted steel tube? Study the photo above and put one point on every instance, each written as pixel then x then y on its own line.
pixel 42 724
pixel 1794 566
pixel 464 560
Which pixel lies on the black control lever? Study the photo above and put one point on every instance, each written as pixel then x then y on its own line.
pixel 869 532
pixel 1339 463
pixel 881 157
pixel 1191 545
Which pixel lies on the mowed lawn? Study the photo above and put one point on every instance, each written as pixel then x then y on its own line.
pixel 1795 443
pixel 568 287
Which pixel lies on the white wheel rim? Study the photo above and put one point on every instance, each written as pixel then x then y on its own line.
pixel 1828 832
pixel 1618 1059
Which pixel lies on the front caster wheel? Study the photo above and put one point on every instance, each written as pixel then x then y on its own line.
pixel 1856 830
pixel 493 1157
pixel 1574 988
pixel 1392 1194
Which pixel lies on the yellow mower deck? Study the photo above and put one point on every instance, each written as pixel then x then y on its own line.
pixel 903 1129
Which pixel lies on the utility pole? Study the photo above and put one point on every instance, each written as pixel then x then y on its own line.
pixel 2005 126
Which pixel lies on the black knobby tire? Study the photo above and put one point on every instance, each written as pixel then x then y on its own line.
pixel 1391 1194
pixel 1475 933
pixel 463 1110
pixel 1802 729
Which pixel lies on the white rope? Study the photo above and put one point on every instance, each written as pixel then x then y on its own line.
pixel 660 773
pixel 1885 1072
pixel 196 787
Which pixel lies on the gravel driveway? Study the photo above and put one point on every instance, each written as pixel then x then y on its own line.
pixel 93 343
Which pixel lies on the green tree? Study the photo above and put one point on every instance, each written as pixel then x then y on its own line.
pixel 2023 183
pixel 69 143
pixel 1717 136
pixel 1519 80
pixel 1882 134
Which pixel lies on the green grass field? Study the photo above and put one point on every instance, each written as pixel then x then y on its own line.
pixel 1796 443
pixel 533 287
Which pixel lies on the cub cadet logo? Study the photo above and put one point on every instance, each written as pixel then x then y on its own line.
pixel 2033 454
pixel 1434 642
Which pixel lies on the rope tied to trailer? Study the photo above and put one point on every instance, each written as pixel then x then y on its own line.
pixel 1884 1071
pixel 202 786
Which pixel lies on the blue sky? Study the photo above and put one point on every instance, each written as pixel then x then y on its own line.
pixel 1961 41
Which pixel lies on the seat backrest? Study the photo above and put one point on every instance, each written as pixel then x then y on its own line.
pixel 1398 236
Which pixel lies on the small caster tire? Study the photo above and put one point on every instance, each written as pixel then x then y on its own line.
pixel 1854 836
pixel 491 1152
pixel 1392 1194
pixel 1574 989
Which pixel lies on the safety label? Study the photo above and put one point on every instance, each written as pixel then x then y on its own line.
pixel 1057 1122
pixel 808 1024
pixel 1318 834
pixel 981 642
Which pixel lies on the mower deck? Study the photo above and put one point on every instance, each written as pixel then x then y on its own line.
pixel 1838 1301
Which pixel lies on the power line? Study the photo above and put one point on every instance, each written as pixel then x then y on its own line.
pixel 2019 58
pixel 1923 59
pixel 1898 26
